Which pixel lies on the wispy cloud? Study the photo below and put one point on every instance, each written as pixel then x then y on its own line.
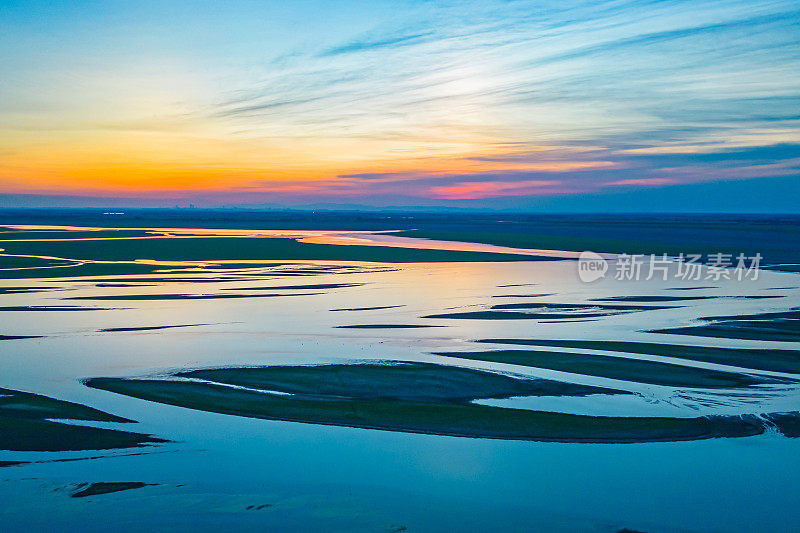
pixel 375 44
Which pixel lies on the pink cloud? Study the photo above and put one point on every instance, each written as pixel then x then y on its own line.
pixel 473 190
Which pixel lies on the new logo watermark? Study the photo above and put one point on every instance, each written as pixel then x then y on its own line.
pixel 591 267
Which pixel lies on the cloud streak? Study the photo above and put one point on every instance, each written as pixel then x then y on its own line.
pixel 369 45
pixel 494 189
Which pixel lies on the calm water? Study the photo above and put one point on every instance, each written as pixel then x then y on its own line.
pixel 315 478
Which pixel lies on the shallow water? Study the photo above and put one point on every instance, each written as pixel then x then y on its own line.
pixel 219 469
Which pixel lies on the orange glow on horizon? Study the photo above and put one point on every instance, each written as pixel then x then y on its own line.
pixel 151 165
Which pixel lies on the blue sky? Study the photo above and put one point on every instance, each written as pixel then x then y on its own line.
pixel 481 104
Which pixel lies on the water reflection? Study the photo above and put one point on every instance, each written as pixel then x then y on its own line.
pixel 219 468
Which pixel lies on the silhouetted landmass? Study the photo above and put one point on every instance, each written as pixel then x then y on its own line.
pixel 375 308
pixel 760 359
pixel 415 397
pixel 652 298
pixel 25 425
pixel 50 308
pixel 388 326
pixel 540 295
pixel 627 369
pixel 150 328
pixel 124 297
pixel 580 307
pixel 778 326
pixel 105 487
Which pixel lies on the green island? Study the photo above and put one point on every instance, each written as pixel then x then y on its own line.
pixel 414 398
pixel 26 425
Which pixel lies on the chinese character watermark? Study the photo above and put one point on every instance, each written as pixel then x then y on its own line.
pixel 693 267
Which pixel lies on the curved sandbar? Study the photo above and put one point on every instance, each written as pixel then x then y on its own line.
pixel 607 366
pixel 369 396
pixel 25 425
pixel 760 359
pixel 777 326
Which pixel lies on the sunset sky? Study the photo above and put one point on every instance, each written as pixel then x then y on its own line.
pixel 483 104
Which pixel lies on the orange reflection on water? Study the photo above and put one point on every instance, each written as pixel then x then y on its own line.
pixel 326 237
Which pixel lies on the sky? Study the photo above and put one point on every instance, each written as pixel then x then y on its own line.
pixel 623 105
